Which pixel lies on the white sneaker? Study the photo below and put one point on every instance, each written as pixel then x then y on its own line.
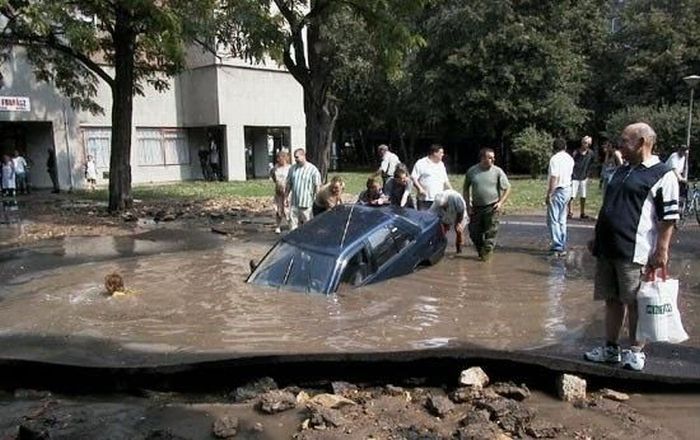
pixel 607 354
pixel 278 231
pixel 633 360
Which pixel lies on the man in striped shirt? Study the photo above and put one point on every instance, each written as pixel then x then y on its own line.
pixel 632 235
pixel 303 182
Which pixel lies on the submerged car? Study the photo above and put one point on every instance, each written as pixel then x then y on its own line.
pixel 352 245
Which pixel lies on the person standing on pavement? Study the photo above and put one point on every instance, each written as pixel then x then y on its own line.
pixel 611 161
pixel 583 161
pixel 450 207
pixel 52 170
pixel 278 174
pixel 389 163
pixel 7 172
pixel 486 189
pixel 91 172
pixel 678 161
pixel 561 167
pixel 21 168
pixel 429 176
pixel 303 182
pixel 214 159
pixel 633 232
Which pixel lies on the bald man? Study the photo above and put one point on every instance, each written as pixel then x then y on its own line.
pixel 632 235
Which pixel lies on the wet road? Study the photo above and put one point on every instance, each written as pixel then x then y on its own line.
pixel 191 299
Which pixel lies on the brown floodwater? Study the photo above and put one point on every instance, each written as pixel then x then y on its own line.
pixel 193 299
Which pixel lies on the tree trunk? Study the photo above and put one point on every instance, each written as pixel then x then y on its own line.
pixel 122 109
pixel 321 113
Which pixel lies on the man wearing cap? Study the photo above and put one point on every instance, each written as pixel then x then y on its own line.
pixel 389 163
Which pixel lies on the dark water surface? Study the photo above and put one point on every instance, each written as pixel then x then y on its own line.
pixel 191 298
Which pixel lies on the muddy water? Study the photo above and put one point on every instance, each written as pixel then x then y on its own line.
pixel 192 298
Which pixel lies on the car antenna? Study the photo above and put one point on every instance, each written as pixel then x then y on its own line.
pixel 288 271
pixel 347 225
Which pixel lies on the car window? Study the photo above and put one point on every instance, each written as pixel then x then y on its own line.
pixel 295 268
pixel 387 242
pixel 401 238
pixel 357 269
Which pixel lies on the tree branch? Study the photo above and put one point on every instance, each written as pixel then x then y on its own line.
pixel 301 74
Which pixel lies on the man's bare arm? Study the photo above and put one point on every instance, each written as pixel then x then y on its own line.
pixel 663 243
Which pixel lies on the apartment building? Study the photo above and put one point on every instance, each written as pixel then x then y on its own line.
pixel 250 111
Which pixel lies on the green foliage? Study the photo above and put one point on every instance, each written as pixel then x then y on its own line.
pixel 533 147
pixel 657 46
pixel 669 122
pixel 500 65
pixel 70 43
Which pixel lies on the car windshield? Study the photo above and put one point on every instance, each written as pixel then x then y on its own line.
pixel 294 268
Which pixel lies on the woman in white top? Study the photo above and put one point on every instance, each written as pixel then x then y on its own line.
pixel 278 174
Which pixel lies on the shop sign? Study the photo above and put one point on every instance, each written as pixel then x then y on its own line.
pixel 14 104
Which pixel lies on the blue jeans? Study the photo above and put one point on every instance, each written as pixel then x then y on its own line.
pixel 556 218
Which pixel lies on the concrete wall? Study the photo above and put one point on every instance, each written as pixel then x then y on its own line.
pixel 258 98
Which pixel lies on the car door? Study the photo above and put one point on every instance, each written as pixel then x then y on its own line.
pixel 392 252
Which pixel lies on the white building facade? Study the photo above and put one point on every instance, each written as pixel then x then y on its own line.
pixel 250 111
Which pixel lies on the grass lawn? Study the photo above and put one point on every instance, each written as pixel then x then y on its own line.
pixel 527 195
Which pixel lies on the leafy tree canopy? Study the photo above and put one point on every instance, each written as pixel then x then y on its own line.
pixel 501 65
pixel 656 46
pixel 669 122
pixel 72 43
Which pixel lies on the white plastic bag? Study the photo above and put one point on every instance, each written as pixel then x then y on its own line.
pixel 659 318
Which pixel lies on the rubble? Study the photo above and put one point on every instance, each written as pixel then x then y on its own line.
pixel 329 401
pixel 511 391
pixel 254 389
pixel 510 415
pixel 617 396
pixel 275 401
pixel 321 418
pixel 571 388
pixel 343 388
pixel 474 377
pixel 225 427
pixel 439 406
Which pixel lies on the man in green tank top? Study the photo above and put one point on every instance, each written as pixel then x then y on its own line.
pixel 486 189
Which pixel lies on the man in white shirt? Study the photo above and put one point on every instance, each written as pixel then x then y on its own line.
pixel 429 176
pixel 20 173
pixel 389 163
pixel 678 161
pixel 561 167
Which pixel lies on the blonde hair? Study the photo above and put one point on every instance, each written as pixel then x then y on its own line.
pixel 283 154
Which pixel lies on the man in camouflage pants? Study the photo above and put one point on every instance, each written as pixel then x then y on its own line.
pixel 486 189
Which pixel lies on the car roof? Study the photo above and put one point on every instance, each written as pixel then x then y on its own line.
pixel 344 225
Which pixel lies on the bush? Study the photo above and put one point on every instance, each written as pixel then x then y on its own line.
pixel 533 147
